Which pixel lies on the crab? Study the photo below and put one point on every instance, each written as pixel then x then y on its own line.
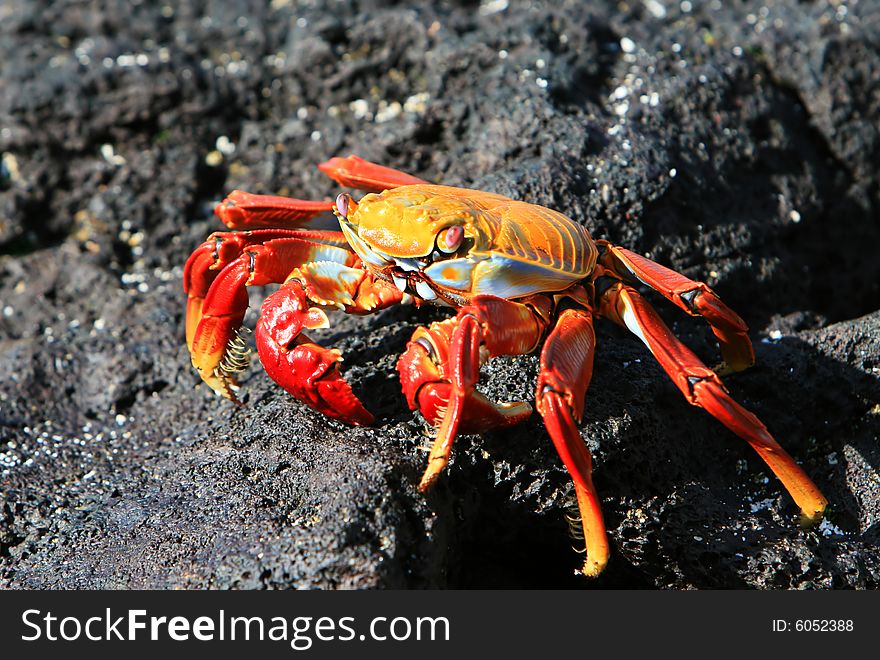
pixel 520 277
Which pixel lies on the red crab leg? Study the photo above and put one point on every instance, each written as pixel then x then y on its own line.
pixel 425 376
pixel 702 387
pixel 308 371
pixel 220 249
pixel 566 370
pixel 501 327
pixel 695 298
pixel 355 172
pixel 217 318
pixel 244 210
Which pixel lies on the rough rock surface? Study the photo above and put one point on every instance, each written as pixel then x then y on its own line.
pixel 738 144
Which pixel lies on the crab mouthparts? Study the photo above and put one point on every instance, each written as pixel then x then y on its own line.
pixel 399 282
pixel 422 288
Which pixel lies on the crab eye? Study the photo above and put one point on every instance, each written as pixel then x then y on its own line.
pixel 450 239
pixel 342 204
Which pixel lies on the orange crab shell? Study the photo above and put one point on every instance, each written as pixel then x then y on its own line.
pixel 515 249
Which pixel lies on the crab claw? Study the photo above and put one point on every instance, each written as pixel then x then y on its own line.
pixel 308 371
pixel 198 275
pixel 311 374
pixel 214 325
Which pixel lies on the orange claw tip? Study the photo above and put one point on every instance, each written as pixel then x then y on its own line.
pixel 222 385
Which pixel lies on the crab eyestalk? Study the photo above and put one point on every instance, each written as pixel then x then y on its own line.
pixel 345 206
pixel 449 240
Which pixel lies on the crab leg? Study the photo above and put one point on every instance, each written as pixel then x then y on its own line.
pixel 214 319
pixel 220 249
pixel 425 375
pixel 566 370
pixel 308 371
pixel 695 298
pixel 487 327
pixel 702 387
pixel 355 172
pixel 244 210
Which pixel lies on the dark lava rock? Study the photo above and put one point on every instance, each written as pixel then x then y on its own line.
pixel 738 145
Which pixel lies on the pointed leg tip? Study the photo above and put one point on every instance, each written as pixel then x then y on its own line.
pixel 426 483
pixel 363 417
pixel 723 369
pixel 730 367
pixel 593 567
pixel 514 412
pixel 436 465
pixel 813 516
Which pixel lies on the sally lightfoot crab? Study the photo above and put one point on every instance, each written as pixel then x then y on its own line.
pixel 521 278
